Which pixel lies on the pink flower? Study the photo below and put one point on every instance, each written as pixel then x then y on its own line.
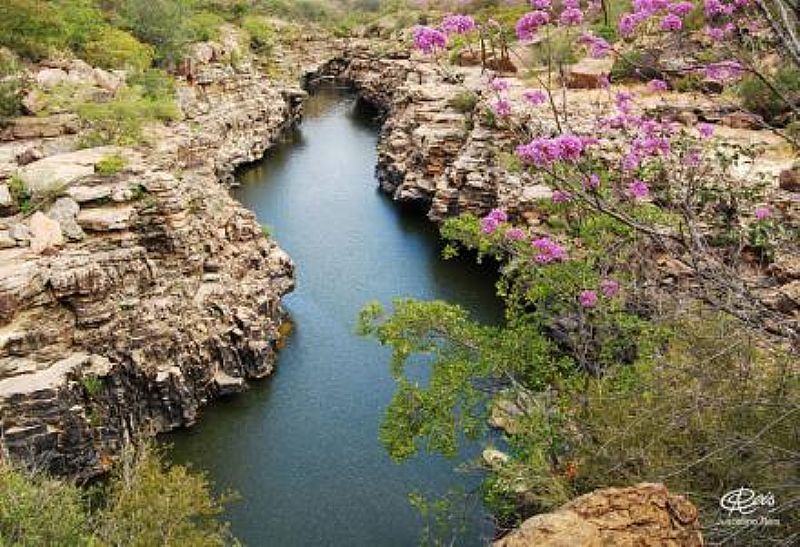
pixel 588 299
pixel 609 287
pixel 657 86
pixel 724 71
pixel 706 130
pixel 499 84
pixel 627 25
pixel 549 251
pixel 598 47
pixel 534 96
pixel 571 17
pixel 429 40
pixel 681 9
pixel 561 197
pixel 502 107
pixel 458 24
pixel 529 23
pixel 592 182
pixel 515 234
pixel 638 189
pixel 671 23
pixel 541 4
pixel 498 214
pixel 763 213
pixel 489 225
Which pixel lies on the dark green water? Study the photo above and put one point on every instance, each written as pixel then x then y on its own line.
pixel 301 448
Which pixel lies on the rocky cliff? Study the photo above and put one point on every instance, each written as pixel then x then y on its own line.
pixel 129 299
pixel 441 151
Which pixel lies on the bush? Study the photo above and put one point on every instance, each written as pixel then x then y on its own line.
pixel 10 88
pixel 153 84
pixel 120 120
pixel 160 23
pixel 144 503
pixel 117 49
pixel 37 510
pixel 30 28
pixel 33 28
pixel 204 26
pixel 150 503
pixel 110 165
pixel 464 101
pixel 262 36
pixel 758 97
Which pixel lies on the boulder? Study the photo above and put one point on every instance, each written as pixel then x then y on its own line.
pixel 50 77
pixel 107 80
pixel 645 514
pixel 64 211
pixel 45 233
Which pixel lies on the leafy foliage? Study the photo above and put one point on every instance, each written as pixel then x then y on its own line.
pixel 117 49
pixel 144 503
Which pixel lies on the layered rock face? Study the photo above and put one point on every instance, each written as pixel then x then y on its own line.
pixel 441 152
pixel 435 150
pixel 129 300
pixel 645 514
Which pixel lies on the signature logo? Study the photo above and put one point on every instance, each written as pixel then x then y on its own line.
pixel 746 501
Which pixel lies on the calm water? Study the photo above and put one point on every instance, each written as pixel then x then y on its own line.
pixel 301 448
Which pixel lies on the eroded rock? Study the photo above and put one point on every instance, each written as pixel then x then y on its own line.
pixel 645 514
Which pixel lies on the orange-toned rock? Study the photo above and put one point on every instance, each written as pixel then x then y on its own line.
pixel 641 515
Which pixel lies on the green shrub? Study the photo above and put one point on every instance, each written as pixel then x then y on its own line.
pixel 37 510
pixel 117 49
pixel 153 84
pixel 150 503
pixel 19 193
pixel 31 28
pixel 34 28
pixel 110 165
pixel 146 502
pixel 120 120
pixel 160 23
pixel 465 101
pixel 204 26
pixel 262 36
pixel 10 88
pixel 758 97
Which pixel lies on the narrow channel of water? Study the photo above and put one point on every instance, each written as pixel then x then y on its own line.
pixel 301 448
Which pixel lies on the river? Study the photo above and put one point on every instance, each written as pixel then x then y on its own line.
pixel 301 448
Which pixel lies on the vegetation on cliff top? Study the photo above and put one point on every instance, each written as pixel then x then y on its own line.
pixel 145 502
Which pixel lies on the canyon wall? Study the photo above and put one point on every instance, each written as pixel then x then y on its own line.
pixel 130 299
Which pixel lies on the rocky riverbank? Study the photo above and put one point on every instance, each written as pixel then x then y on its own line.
pixel 129 299
pixel 441 152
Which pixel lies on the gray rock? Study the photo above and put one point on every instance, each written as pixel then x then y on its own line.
pixel 20 233
pixel 64 211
